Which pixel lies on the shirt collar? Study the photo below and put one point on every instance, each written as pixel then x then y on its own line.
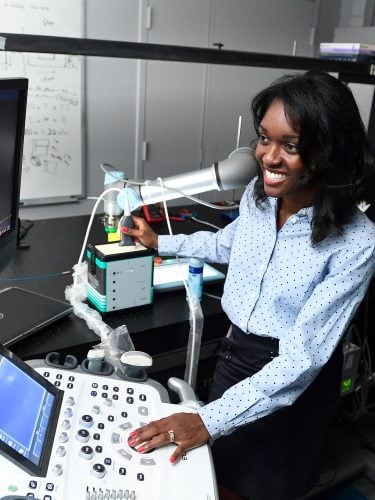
pixel 304 212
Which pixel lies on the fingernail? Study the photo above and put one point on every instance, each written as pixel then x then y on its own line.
pixel 172 459
pixel 131 442
pixel 124 229
pixel 133 434
pixel 141 449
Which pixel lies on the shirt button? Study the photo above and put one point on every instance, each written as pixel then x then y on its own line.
pixel 293 220
pixel 252 295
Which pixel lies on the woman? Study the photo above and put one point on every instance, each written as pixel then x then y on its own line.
pixel 300 257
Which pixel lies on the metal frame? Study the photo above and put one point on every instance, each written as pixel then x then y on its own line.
pixel 352 72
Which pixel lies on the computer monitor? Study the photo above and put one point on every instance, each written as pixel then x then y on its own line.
pixel 13 96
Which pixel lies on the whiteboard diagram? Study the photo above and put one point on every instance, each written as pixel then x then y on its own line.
pixel 52 156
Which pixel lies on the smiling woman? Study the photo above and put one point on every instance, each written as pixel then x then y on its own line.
pixel 300 257
pixel 323 134
pixel 285 176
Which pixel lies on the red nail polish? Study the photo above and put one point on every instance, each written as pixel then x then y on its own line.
pixel 172 459
pixel 133 434
pixel 141 449
pixel 124 229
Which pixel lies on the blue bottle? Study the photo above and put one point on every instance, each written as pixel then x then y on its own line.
pixel 195 277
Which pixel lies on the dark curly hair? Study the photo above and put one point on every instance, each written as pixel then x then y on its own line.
pixel 332 144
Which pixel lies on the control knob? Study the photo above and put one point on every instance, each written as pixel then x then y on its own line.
pixel 65 424
pixel 95 409
pixel 68 412
pixel 83 435
pixel 57 470
pixel 61 451
pixel 98 470
pixel 86 452
pixel 63 438
pixel 86 421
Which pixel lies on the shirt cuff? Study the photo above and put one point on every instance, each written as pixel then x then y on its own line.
pixel 210 414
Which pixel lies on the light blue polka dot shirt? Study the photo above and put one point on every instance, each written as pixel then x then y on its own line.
pixel 279 285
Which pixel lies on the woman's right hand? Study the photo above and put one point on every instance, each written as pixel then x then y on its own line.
pixel 143 233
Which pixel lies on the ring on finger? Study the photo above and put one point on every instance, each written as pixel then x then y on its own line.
pixel 171 436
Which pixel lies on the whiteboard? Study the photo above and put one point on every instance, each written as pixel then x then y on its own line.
pixel 52 156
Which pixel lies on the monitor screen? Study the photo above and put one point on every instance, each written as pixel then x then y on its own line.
pixel 13 95
pixel 30 408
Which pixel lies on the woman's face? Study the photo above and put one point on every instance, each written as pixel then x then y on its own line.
pixel 284 173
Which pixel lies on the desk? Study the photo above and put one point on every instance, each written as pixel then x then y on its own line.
pixel 160 329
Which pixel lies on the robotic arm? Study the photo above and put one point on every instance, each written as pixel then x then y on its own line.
pixel 234 172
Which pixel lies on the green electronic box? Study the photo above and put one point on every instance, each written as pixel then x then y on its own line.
pixel 119 277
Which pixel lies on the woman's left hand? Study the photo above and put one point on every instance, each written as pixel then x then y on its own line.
pixel 186 430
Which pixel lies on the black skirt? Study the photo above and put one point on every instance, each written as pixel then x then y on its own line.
pixel 275 457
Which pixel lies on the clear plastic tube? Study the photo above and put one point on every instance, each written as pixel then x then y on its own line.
pixel 114 341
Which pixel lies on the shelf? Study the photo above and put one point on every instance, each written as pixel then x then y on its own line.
pixel 358 72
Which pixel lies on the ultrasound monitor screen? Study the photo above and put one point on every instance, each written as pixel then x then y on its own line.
pixel 28 414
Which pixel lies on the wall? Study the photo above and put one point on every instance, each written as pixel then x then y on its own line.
pixel 183 115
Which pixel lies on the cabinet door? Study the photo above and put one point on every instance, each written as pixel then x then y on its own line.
pixel 111 90
pixel 174 92
pixel 269 27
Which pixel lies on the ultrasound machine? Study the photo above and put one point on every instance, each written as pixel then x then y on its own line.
pixel 64 427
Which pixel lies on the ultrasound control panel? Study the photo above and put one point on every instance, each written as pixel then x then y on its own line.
pixel 63 436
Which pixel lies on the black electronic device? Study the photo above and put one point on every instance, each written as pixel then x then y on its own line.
pixel 23 313
pixel 30 408
pixel 13 97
